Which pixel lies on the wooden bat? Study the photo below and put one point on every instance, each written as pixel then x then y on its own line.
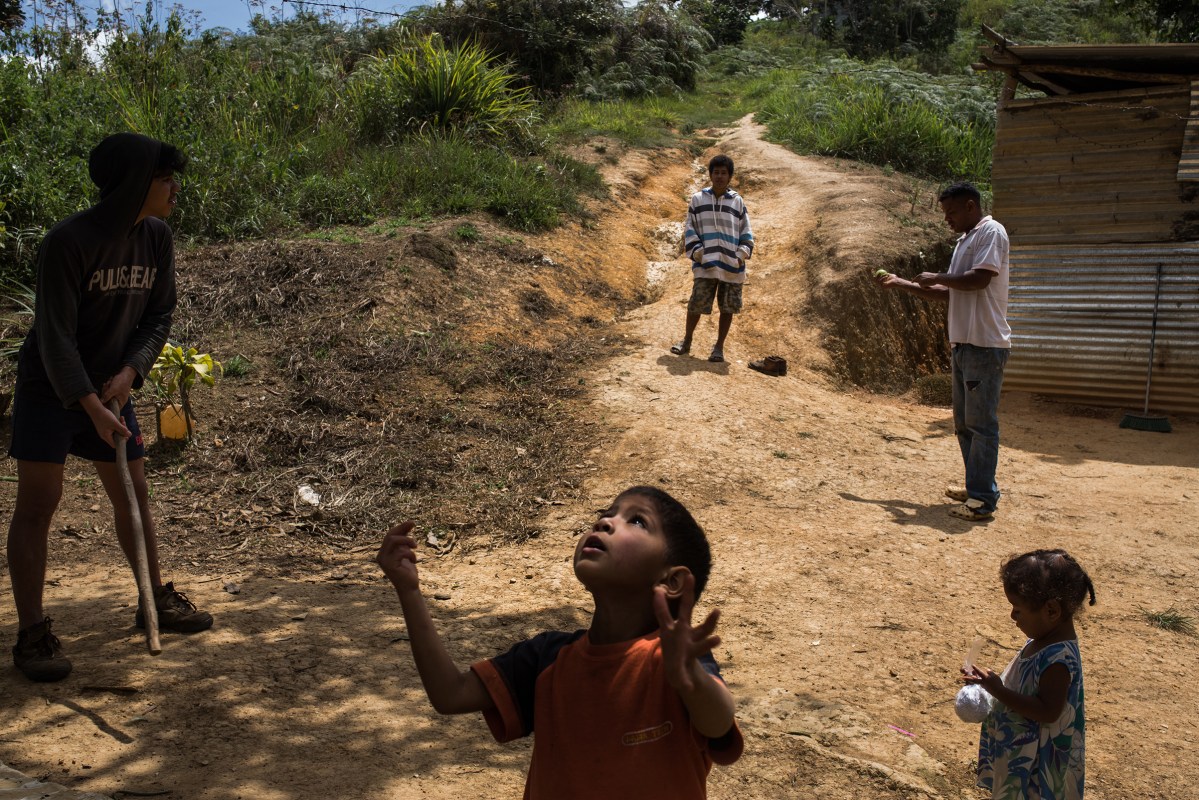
pixel 142 569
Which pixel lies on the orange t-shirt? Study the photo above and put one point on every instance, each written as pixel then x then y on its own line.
pixel 608 725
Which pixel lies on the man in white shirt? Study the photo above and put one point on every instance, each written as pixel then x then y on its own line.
pixel 976 288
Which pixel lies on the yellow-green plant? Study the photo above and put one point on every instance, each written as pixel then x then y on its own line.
pixel 429 86
pixel 174 374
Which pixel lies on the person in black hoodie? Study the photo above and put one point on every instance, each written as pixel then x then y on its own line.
pixel 105 296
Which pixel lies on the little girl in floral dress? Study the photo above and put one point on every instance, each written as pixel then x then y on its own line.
pixel 1032 742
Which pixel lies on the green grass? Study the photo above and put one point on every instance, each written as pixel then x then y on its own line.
pixel 276 135
pixel 1170 620
pixel 936 128
pixel 237 367
pixel 303 126
pixel 646 122
pixel 429 86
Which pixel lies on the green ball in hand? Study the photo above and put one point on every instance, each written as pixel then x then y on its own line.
pixel 881 273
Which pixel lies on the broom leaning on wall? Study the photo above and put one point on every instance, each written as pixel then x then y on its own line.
pixel 1146 421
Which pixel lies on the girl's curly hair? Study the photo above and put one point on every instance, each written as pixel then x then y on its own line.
pixel 1044 575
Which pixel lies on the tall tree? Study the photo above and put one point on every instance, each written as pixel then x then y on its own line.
pixel 1178 20
pixel 11 16
pixel 724 20
pixel 870 28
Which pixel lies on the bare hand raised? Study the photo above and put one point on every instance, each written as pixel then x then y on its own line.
pixel 397 557
pixel 682 644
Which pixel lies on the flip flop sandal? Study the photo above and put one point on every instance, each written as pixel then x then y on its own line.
pixel 971 511
pixel 680 349
pixel 717 355
pixel 957 493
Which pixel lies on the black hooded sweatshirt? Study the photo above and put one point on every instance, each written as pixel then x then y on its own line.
pixel 105 283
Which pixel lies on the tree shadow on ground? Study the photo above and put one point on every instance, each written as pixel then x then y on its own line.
pixel 300 690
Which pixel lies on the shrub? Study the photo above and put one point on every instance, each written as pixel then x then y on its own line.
pixel 550 42
pixel 939 128
pixel 724 20
pixel 597 46
pixel 869 29
pixel 429 86
pixel 935 390
pixel 651 51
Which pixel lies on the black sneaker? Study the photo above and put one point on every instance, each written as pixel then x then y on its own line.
pixel 38 654
pixel 175 612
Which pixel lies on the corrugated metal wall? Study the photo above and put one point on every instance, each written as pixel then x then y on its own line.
pixel 1094 168
pixel 1081 320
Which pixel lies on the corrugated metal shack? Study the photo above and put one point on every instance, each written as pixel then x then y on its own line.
pixel 1097 183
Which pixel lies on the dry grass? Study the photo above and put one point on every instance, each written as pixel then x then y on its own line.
pixel 373 387
pixel 935 390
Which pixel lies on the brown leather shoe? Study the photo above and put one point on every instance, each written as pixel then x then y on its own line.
pixel 771 365
pixel 175 612
pixel 38 654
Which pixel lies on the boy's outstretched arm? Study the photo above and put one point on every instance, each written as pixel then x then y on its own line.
pixel 450 689
pixel 709 702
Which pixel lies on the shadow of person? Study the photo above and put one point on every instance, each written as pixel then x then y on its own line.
pixel 907 513
pixel 686 365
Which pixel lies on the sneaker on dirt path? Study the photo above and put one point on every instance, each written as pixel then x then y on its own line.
pixel 38 654
pixel 175 612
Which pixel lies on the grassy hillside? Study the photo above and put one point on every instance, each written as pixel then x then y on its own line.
pixel 306 123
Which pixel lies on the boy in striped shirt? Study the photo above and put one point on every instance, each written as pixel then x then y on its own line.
pixel 718 241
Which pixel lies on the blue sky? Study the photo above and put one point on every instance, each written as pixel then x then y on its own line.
pixel 236 14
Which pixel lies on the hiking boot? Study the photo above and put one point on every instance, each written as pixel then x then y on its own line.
pixel 38 654
pixel 770 365
pixel 175 612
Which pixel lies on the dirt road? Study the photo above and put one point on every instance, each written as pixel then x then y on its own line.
pixel 849 596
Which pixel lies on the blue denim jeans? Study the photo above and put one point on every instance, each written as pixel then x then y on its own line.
pixel 977 379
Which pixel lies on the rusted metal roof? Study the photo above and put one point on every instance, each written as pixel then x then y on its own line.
pixel 1083 319
pixel 1081 68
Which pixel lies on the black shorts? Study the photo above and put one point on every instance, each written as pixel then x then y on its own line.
pixel 47 432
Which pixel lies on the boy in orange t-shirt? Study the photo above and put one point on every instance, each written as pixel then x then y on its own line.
pixel 638 694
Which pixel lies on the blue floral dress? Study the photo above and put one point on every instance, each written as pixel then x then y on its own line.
pixel 1019 759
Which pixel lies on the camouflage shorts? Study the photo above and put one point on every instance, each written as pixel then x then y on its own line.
pixel 704 290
